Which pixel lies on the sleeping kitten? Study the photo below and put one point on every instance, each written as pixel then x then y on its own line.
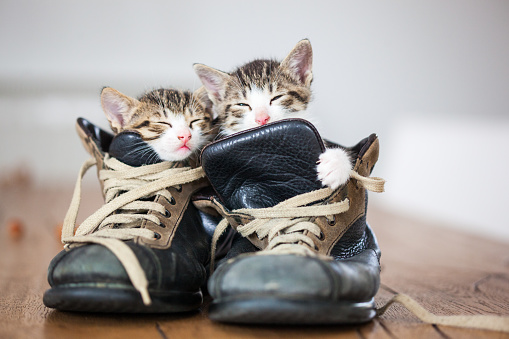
pixel 174 123
pixel 264 91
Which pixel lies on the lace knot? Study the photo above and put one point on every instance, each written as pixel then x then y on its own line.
pixel 126 191
pixel 288 224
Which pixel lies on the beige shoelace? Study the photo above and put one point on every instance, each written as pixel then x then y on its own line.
pixel 287 224
pixel 482 322
pixel 124 211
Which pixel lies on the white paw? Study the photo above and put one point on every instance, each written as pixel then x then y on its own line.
pixel 334 167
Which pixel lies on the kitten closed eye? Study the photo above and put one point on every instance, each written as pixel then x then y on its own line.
pixel 194 121
pixel 143 124
pixel 275 98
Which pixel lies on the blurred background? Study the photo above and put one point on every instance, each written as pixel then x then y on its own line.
pixel 431 78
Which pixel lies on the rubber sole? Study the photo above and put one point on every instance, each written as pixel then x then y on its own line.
pixel 119 300
pixel 291 312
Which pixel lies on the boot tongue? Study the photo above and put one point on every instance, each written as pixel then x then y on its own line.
pixel 129 148
pixel 264 166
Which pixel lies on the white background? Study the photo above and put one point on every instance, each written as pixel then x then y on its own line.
pixel 431 78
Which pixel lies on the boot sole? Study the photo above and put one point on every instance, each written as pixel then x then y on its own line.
pixel 119 300
pixel 280 311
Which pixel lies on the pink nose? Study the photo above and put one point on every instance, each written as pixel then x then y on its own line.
pixel 184 136
pixel 262 118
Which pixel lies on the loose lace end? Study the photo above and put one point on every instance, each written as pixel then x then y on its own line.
pixel 372 184
pixel 483 322
pixel 220 228
pixel 135 183
pixel 145 296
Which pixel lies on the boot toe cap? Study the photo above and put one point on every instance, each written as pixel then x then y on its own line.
pixel 95 265
pixel 297 277
pixel 265 275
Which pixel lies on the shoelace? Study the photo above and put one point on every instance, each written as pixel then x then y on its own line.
pixel 288 224
pixel 124 210
pixel 482 322
pixel 285 223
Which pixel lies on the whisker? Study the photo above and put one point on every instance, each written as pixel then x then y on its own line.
pixel 153 157
pixel 136 150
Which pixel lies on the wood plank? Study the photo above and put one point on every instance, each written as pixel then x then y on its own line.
pixel 446 271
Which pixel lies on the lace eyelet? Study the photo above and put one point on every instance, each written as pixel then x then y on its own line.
pixel 167 213
pixel 172 201
pixel 332 222
pixel 179 188
pixel 322 236
pixel 157 236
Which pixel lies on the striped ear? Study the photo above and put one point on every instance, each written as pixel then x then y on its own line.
pixel 202 96
pixel 213 80
pixel 118 108
pixel 300 62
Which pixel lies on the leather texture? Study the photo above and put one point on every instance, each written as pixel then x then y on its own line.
pixel 351 276
pixel 264 166
pixel 129 148
pixel 175 261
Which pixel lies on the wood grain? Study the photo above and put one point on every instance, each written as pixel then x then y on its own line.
pixel 448 272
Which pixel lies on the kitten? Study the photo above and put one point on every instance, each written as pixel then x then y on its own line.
pixel 175 124
pixel 264 91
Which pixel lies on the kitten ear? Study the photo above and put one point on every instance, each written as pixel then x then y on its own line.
pixel 202 96
pixel 213 80
pixel 300 62
pixel 118 107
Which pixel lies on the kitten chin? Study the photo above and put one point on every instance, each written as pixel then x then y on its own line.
pixel 169 145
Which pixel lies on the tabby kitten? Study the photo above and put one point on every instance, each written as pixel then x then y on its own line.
pixel 264 91
pixel 173 123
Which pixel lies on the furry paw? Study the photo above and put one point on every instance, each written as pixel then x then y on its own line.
pixel 334 167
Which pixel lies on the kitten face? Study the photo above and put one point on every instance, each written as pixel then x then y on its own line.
pixel 264 91
pixel 174 123
pixel 261 91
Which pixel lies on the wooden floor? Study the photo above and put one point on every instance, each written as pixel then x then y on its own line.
pixel 446 271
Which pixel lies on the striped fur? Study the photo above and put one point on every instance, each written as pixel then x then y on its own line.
pixel 164 118
pixel 261 88
pixel 264 91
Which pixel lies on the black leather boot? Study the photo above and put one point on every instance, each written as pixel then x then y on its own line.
pixel 303 254
pixel 146 249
